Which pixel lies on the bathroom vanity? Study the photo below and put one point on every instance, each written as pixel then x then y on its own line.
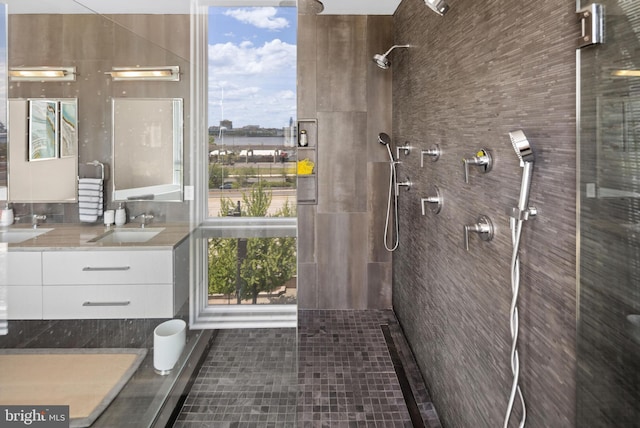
pixel 69 272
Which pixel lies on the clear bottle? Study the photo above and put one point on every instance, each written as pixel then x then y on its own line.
pixel 304 139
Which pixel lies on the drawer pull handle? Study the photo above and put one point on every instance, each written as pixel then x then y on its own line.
pixel 104 269
pixel 127 303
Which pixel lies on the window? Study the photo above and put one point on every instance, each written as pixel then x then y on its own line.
pixel 251 244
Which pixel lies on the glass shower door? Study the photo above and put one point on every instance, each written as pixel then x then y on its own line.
pixel 608 348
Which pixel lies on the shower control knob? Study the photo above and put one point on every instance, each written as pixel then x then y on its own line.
pixel 484 228
pixel 434 153
pixel 434 201
pixel 482 159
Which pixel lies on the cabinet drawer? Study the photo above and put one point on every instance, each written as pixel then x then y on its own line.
pixel 24 302
pixel 107 267
pixel 21 268
pixel 107 301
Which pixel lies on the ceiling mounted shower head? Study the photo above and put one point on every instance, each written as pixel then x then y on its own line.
pixel 438 6
pixel 521 146
pixel 382 61
pixel 384 139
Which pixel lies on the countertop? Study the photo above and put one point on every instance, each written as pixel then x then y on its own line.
pixel 74 237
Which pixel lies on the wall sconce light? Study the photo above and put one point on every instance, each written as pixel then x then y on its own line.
pixel 438 6
pixel 626 73
pixel 42 74
pixel 164 73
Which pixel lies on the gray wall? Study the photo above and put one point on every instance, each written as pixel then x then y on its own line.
pixel 484 69
pixel 95 43
pixel 341 259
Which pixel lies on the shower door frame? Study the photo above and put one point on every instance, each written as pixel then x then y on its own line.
pixel 608 209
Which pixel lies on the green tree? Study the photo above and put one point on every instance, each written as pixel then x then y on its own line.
pixel 269 262
pixel 217 174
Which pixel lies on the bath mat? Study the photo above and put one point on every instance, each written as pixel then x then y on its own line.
pixel 86 380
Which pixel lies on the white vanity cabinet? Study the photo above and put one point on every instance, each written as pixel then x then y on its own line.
pixel 108 284
pixel 23 280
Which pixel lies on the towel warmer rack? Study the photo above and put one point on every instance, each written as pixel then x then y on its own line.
pixel 97 164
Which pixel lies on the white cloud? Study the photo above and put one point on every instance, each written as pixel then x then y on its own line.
pixel 258 83
pixel 261 17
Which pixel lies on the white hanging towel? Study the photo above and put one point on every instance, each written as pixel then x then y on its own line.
pixel 90 200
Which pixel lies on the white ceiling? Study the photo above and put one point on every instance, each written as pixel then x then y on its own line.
pixel 331 7
pixel 359 7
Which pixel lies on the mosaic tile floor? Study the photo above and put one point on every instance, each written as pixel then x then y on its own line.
pixel 343 374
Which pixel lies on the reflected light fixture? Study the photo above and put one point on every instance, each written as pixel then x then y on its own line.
pixel 626 73
pixel 42 74
pixel 163 73
pixel 438 6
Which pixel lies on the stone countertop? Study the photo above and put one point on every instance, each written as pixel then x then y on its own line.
pixel 74 237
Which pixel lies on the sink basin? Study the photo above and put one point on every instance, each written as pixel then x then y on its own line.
pixel 14 236
pixel 122 236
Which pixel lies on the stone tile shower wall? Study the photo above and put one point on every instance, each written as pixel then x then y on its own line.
pixel 482 70
pixel 342 263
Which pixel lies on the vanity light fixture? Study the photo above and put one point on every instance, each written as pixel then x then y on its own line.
pixel 165 73
pixel 42 74
pixel 626 73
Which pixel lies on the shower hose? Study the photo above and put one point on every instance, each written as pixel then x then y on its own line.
pixel 392 181
pixel 516 232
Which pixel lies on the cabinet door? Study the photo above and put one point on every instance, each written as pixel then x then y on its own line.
pixel 21 268
pixel 21 273
pixel 24 302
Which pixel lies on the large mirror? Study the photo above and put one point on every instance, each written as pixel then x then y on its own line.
pixel 147 149
pixel 43 150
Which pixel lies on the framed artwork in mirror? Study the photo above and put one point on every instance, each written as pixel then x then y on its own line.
pixel 68 128
pixel 43 130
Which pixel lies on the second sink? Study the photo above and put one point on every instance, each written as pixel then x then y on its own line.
pixel 121 236
pixel 14 236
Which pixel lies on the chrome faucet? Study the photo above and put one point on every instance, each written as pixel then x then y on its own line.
pixel 143 218
pixel 35 218
pixel 482 159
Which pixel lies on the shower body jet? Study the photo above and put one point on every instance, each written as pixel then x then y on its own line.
pixel 382 61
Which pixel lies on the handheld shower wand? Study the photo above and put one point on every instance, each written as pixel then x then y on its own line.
pixel 518 215
pixel 385 140
pixel 525 154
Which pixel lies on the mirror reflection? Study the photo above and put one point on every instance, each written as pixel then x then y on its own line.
pixel 147 149
pixel 43 147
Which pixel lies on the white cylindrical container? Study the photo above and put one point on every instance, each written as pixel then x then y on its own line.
pixel 6 216
pixel 169 339
pixel 109 217
pixel 120 215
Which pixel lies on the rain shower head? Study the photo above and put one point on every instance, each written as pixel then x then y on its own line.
pixel 521 146
pixel 384 139
pixel 438 6
pixel 382 61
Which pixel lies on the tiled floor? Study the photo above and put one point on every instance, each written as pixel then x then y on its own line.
pixel 337 371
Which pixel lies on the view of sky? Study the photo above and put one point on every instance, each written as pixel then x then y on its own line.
pixel 252 66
